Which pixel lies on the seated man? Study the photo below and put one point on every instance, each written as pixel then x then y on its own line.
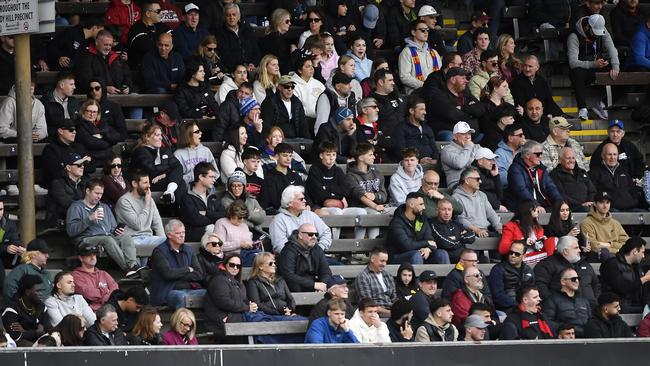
pixel 399 323
pixel 8 119
pixel 390 103
pixel 302 263
pixel 566 331
pixel 628 153
pixel 490 180
pixel 276 180
pixel 337 288
pixel 127 305
pixel 25 317
pixel 475 329
pixel 91 282
pixel 334 328
pixel 512 142
pixel 487 68
pixel 529 180
pixel 410 236
pixel 573 182
pixel 63 144
pixel 448 233
pixel 341 130
pixel 105 331
pixel 459 154
pixel 438 327
pixel 602 230
pixel 557 139
pixel 251 159
pixel 61 105
pixel 478 215
pixel 334 100
pixel 471 292
pixel 466 43
pixel 162 69
pixel 136 211
pixel 367 325
pixel 432 194
pixel 509 276
pixel 422 300
pixel 34 259
pixel 606 322
pixel 535 122
pixel 294 213
pixel 526 314
pixel 530 84
pixel 100 227
pixel 438 80
pixel 228 114
pixel 418 59
pixel 144 32
pixel 454 279
pixel 623 276
pixel 415 133
pixel 65 48
pixel 66 189
pixel 175 269
pixel 101 62
pixel 613 177
pixel 201 207
pixel 189 33
pixel 285 110
pixel 237 41
pixel 472 59
pixel 568 305
pixel 376 283
pixel 63 301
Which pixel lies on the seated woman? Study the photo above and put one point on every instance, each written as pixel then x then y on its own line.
pixel 206 52
pixel 509 65
pixel 236 190
pixel 307 88
pixel 276 42
pixel 115 186
pixel 347 66
pixel 269 291
pixel 497 112
pixel 237 237
pixel 561 224
pixel 146 331
pixel 357 50
pixel 95 134
pixel 109 111
pixel 525 229
pixel 230 159
pixel 232 82
pixel 273 137
pixel 194 98
pixel 268 77
pixel 165 172
pixel 70 331
pixel 329 59
pixel 190 151
pixel 210 256
pixel 182 329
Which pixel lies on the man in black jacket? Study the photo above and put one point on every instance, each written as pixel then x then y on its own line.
pixel 285 110
pixel 144 33
pixel 573 182
pixel 614 178
pixel 66 47
pixel 438 80
pixel 606 322
pixel 276 180
pixel 25 317
pixel 100 61
pixel 127 305
pixel 448 233
pixel 162 69
pixel 399 21
pixel 342 132
pixel 527 314
pixel 236 40
pixel 302 263
pixel 390 103
pixel 60 104
pixel 623 275
pixel 200 207
pixel 410 235
pixel 66 189
pixel 56 151
pixel 105 331
pixel 628 154
pixel 568 305
pixel 535 122
pixel 416 134
pixel 529 85
pixel 509 276
pixel 490 178
pixel 421 301
pixel 228 115
pixel 10 248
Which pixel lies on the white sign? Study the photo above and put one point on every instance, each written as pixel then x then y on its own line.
pixel 18 16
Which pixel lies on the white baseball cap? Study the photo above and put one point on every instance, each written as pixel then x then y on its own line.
pixel 485 153
pixel 462 127
pixel 427 10
pixel 189 7
pixel 597 24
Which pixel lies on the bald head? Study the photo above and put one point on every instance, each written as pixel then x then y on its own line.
pixel 307 235
pixel 430 181
pixel 164 45
pixel 534 110
pixel 610 155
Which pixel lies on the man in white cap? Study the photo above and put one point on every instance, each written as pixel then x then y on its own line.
pixel 588 48
pixel 189 34
pixel 558 139
pixel 430 16
pixel 460 153
pixel 490 179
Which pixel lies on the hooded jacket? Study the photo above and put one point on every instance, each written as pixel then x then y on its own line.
pixel 190 211
pixel 123 15
pixel 505 156
pixel 401 184
pixel 476 210
pixel 639 51
pixel 96 287
pixel 359 183
pixel 308 93
pixel 369 333
pixel 405 236
pixel 111 112
pixel 256 214
pixel 59 306
pixel 363 67
pixel 491 186
pixel 522 187
pixel 109 69
pixel 455 158
pixel 603 228
pixel 402 290
pixel 301 267
pixel 407 69
pixel 583 53
pixel 79 226
pixel 285 223
pixel 8 121
pixel 100 149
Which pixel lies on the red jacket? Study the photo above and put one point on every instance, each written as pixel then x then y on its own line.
pixel 512 233
pixel 171 14
pixel 95 287
pixel 644 327
pixel 124 15
pixel 461 302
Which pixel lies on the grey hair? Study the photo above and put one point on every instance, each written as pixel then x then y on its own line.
pixel 565 149
pixel 365 102
pixel 289 194
pixel 172 224
pixel 468 171
pixel 565 242
pixel 529 146
pixel 104 310
pixel 231 6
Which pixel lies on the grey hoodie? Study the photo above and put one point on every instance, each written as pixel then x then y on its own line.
pixel 573 49
pixel 359 183
pixel 401 184
pixel 79 226
pixel 455 159
pixel 476 210
pixel 284 223
pixel 8 127
pixel 190 156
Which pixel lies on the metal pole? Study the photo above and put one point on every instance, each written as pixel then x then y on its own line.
pixel 26 200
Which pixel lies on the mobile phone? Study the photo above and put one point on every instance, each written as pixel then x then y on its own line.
pixel 120 226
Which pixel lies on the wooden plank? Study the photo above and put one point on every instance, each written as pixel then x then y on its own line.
pixel 7 150
pixel 624 78
pixel 355 245
pixel 265 328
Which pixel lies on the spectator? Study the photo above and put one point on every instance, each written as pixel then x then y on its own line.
pixel 568 305
pixel 302 263
pixel 162 70
pixel 448 233
pixel 335 328
pixel 527 315
pixel 606 322
pixel 307 88
pixel 508 148
pixel 194 97
pixel 366 325
pixel 435 38
pixel 357 50
pixel 399 323
pixel 251 167
pixel 528 178
pixel 585 9
pixel 530 84
pixel 613 177
pixel 264 281
pixel 191 152
pixel 421 301
pixel 602 230
pixel 285 110
pixel 165 171
pixel 432 195
pixel 471 59
pixel 415 133
pixel 236 40
pixel 168 119
pixel 60 105
pixel 95 134
pixel 329 59
pixel 407 178
pixel 110 112
pixel 340 95
pixel 278 179
pixel 236 236
pixel 34 260
pixel 146 332
pixel 625 18
pixel 623 275
pixel 7 64
pixel 189 35
pixel 566 331
pixel 63 301
pixel 509 276
pixel 128 304
pixel 525 229
pixel 236 190
pixel 137 212
pixel 232 156
pixel 65 190
pixel 561 223
pixel 418 59
pixel 144 33
pixel 406 282
pixel 210 255
pixel 233 81
pixel 466 41
pixel 551 14
pixel 183 328
pixel 70 331
pixel 490 180
pixel 200 207
pixel 471 292
pixel 342 132
pixel 629 155
pixel 337 288
pixel 411 236
pixel 268 77
pixel 25 316
pixel 535 123
pixel 389 102
pixel 276 42
pixel 100 228
pixel 497 113
pixel 438 80
pixel 228 115
pixel 122 13
pixel 557 139
pixel 94 284
pixel 272 138
pixel 10 247
pixel 587 48
pixel 375 283
pixel 206 51
pixel 9 122
pixel 399 19
pixel 459 154
pixel 250 112
pixel 475 329
pixel 573 182
pixel 509 65
pixel 486 70
pixel 451 104
pixel 478 215
pixel 437 327
pixel 65 48
pixel 315 25
pixel 175 270
pixel 567 255
pixel 105 331
pixel 101 62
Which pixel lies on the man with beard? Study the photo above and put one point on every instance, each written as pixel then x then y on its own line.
pixel 415 133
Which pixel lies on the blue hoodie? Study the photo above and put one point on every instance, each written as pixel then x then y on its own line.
pixel 504 160
pixel 363 68
pixel 639 50
pixel 320 331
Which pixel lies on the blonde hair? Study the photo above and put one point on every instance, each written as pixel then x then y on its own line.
pixel 276 18
pixel 178 316
pixel 27 257
pixel 148 130
pixel 263 75
pixel 504 57
pixel 259 261
pixel 206 237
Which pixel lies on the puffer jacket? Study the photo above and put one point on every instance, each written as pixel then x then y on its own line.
pixel 506 280
pixel 190 206
pixel 547 277
pixel 8 121
pixel 560 308
pixel 196 101
pixel 301 267
pixel 225 301
pixel 404 236
pixel 270 297
pixel 575 186
pixel 623 279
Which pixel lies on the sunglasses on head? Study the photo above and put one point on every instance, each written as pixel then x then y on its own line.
pixel 215 243
pixel 234 265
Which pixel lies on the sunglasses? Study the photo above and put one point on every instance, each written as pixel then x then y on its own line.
pixel 572 279
pixel 80 165
pixel 314 20
pixel 187 325
pixel 519 135
pixel 288 21
pixel 271 263
pixel 477 178
pixel 476 275
pixel 423 30
pixel 288 87
pixel 71 129
pixel 157 11
pixel 211 49
pixel 494 63
pixel 113 166
pixel 310 234
pixel 538 154
pixel 215 243
pixel 96 88
pixel 516 254
pixel 197 132
pixel 372 106
pixel 234 265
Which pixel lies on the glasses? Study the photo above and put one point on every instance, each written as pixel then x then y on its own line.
pixel 478 179
pixel 423 30
pixel 314 20
pixel 494 63
pixel 302 199
pixel 310 234
pixel 538 154
pixel 519 135
pixel 157 11
pixel 372 106
pixel 516 254
pixel 215 243
pixel 211 49
pixel 288 21
pixel 572 279
pixel 288 87
pixel 469 260
pixel 271 264
pixel 113 166
pixel 187 325
pixel 234 265
pixel 475 275
pixel 96 88
pixel 197 132
pixel 80 165
pixel 71 129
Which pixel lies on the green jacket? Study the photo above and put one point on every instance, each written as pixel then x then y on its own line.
pixel 11 281
pixel 431 205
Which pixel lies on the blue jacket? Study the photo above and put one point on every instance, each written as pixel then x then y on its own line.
pixel 504 160
pixel 639 50
pixel 363 68
pixel 320 331
pixel 408 135
pixel 168 272
pixel 520 185
pixel 187 40
pixel 159 73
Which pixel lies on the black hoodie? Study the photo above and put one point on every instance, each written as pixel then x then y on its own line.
pixel 325 183
pixel 406 290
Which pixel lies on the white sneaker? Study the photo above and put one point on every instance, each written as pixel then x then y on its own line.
pixel 40 191
pixel 12 190
pixel 600 111
pixel 583 113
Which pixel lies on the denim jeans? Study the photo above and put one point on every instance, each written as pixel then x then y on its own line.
pixel 176 298
pixel 437 256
